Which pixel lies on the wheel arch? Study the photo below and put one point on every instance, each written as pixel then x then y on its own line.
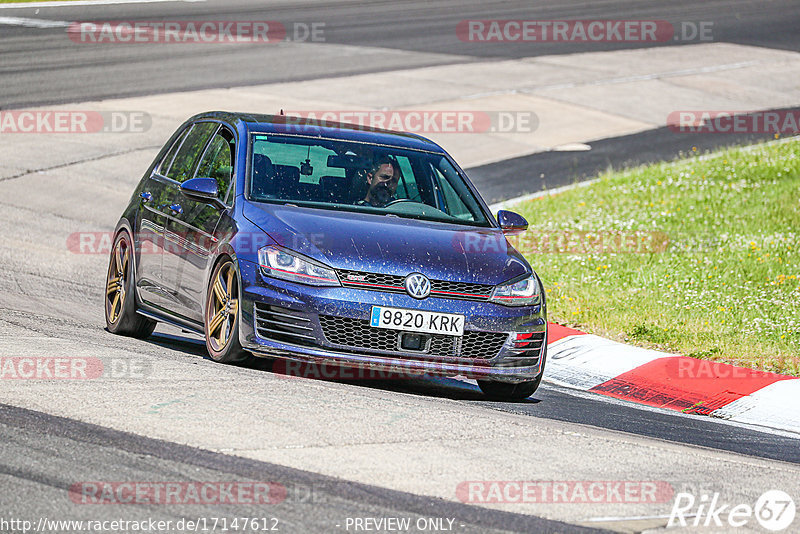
pixel 225 252
pixel 123 225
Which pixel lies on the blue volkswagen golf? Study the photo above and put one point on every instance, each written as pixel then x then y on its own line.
pixel 327 243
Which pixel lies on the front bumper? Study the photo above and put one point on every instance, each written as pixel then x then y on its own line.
pixel 311 307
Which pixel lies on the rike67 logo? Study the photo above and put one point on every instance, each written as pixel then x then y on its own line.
pixel 774 510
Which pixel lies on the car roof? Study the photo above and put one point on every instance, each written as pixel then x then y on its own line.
pixel 282 124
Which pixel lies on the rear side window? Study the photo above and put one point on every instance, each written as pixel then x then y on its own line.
pixel 167 161
pixel 188 155
pixel 297 157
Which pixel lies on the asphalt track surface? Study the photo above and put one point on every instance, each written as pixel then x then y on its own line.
pixel 538 172
pixel 43 454
pixel 42 66
pixel 562 404
pixel 313 503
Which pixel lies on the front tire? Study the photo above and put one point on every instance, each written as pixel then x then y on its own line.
pixel 221 317
pixel 506 391
pixel 120 308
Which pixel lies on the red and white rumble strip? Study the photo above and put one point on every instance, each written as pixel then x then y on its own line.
pixel 592 363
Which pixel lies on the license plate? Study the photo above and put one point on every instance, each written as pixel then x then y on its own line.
pixel 427 322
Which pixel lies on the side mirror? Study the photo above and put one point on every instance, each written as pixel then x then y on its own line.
pixel 201 189
pixel 511 223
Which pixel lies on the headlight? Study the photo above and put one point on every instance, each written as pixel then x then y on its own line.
pixel 523 293
pixel 280 263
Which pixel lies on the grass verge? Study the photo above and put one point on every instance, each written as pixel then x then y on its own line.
pixel 698 257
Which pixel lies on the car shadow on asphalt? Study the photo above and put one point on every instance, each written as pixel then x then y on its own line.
pixel 424 386
pixel 421 385
pixel 180 343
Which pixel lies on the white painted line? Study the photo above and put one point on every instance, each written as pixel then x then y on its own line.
pixel 571 147
pixel 33 23
pixel 37 5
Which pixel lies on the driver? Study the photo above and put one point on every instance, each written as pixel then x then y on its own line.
pixel 382 181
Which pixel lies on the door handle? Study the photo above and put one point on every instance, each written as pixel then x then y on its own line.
pixel 146 196
pixel 176 209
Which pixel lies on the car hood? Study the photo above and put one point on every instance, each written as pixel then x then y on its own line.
pixel 391 245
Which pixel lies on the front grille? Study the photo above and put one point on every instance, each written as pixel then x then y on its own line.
pixel 461 289
pixel 396 284
pixel 284 325
pixel 381 281
pixel 358 334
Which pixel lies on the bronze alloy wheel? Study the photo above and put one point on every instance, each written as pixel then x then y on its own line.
pixel 116 281
pixel 222 314
pixel 120 308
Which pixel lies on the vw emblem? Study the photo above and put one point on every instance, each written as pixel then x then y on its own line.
pixel 418 286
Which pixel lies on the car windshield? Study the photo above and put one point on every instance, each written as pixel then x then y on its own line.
pixel 352 176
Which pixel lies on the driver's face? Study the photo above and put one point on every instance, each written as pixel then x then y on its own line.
pixel 384 175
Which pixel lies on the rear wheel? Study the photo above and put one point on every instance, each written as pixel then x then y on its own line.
pixel 222 315
pixel 120 309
